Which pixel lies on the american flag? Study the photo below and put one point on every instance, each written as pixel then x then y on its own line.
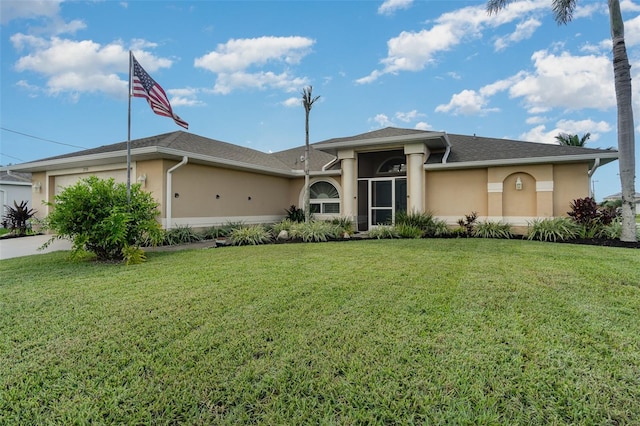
pixel 145 87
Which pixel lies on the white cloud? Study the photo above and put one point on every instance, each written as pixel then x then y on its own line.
pixel 293 101
pixel 75 67
pixel 524 30
pixel 184 97
pixel 423 126
pixel 572 127
pixel 232 60
pixel 536 119
pixel 413 51
pixel 382 120
pixel 406 117
pixel 467 102
pixel 21 9
pixel 560 80
pixel 390 6
pixel 629 6
pixel 566 81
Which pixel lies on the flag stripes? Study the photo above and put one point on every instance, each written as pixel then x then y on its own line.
pixel 143 86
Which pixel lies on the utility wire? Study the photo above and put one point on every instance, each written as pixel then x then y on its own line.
pixel 11 156
pixel 42 139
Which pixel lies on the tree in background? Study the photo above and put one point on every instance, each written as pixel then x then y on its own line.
pixel 572 140
pixel 307 102
pixel 563 13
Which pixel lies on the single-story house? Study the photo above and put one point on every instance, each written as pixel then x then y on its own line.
pixel 368 177
pixel 14 187
pixel 618 197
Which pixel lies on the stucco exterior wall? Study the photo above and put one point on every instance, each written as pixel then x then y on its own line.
pixel 571 181
pixel 38 197
pixel 455 193
pixel 206 196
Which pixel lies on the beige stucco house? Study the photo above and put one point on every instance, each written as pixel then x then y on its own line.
pixel 368 177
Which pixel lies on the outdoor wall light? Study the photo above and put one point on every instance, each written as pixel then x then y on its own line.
pixel 176 195
pixel 142 180
pixel 249 198
pixel 518 184
pixel 217 196
pixel 37 187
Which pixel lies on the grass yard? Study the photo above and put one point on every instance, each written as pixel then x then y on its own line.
pixel 371 332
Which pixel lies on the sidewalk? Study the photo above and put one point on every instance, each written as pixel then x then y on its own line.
pixel 27 246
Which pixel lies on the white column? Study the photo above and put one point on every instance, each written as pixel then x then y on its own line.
pixel 349 183
pixel 415 176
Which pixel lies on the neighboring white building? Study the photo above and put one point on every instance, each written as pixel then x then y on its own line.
pixel 14 186
pixel 618 196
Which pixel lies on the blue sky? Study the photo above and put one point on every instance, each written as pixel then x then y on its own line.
pixel 234 70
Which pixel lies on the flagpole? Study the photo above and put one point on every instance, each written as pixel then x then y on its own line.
pixel 129 135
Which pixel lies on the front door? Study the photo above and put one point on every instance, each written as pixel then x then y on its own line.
pixel 387 196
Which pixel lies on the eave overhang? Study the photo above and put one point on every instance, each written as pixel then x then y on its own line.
pixel 146 153
pixel 604 157
pixel 432 140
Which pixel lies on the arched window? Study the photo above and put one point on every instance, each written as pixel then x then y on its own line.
pixel 324 198
pixel 393 166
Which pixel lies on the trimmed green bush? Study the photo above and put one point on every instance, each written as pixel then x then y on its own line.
pixel 95 215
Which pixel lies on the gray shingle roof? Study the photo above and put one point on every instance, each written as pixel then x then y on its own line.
pixel 18 177
pixel 464 149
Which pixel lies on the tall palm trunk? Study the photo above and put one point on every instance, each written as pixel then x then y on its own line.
pixel 626 136
pixel 307 103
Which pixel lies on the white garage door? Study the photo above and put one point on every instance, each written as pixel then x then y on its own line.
pixel 62 181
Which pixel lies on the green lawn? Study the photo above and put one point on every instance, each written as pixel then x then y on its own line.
pixel 371 332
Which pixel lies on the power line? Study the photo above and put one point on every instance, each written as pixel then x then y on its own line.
pixel 11 156
pixel 42 139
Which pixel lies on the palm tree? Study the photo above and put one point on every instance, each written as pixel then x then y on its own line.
pixel 563 13
pixel 572 140
pixel 307 102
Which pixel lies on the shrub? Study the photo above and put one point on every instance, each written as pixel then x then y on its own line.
pixel 249 235
pixel 17 218
pixel 612 231
pixel 95 215
pixel 283 225
pixel 344 225
pixel 406 230
pixel 214 232
pixel 439 229
pixel 181 235
pixel 314 231
pixel 295 214
pixel 467 224
pixel 557 229
pixel 584 210
pixel 384 232
pixel 489 229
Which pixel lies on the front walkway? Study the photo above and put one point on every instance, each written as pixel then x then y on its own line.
pixel 27 246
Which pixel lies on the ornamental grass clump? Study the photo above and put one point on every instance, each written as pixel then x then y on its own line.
pixel 488 229
pixel 314 231
pixel 250 235
pixel 556 229
pixel 182 234
pixel 384 232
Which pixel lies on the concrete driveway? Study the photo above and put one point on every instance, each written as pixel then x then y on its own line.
pixel 27 246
